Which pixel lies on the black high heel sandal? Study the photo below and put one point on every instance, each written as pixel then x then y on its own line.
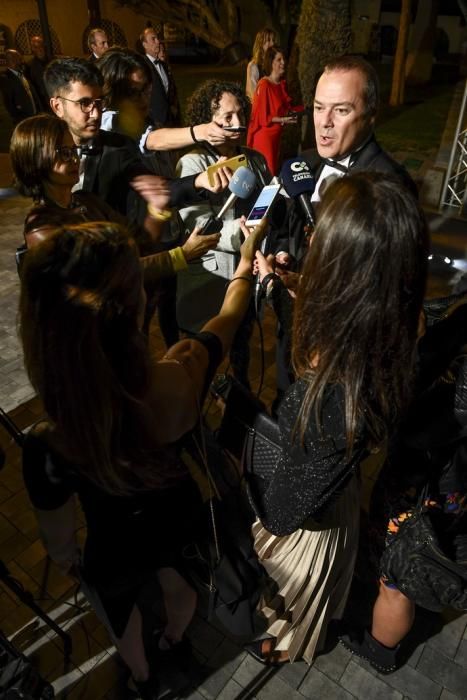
pixel 271 658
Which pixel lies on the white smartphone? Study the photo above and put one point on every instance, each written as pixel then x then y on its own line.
pixel 262 204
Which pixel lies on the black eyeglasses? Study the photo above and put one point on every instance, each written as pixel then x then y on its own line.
pixel 87 104
pixel 67 153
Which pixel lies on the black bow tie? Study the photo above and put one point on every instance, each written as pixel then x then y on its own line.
pixel 334 164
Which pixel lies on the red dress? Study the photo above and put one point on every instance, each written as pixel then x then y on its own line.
pixel 270 100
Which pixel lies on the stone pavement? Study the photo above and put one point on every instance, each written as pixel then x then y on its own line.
pixel 14 385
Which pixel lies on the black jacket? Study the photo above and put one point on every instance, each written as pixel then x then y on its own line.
pixel 35 74
pixel 115 163
pixel 370 158
pixel 159 107
pixel 17 101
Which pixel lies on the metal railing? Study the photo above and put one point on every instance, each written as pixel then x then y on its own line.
pixel 454 193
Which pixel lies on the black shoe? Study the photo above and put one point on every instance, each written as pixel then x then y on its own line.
pixel 270 658
pixel 143 690
pixel 382 658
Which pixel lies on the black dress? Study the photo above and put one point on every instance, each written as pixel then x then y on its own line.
pixel 307 540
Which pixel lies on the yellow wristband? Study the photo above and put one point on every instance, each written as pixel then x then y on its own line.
pixel 159 214
pixel 178 259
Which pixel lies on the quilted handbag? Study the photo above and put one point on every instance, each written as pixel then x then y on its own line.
pixel 249 433
pixel 420 569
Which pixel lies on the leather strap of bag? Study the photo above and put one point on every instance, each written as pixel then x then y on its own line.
pixel 201 448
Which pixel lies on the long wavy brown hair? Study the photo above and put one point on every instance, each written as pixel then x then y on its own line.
pixel 359 302
pixel 261 37
pixel 81 299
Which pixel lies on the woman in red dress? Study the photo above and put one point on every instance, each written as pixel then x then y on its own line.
pixel 271 108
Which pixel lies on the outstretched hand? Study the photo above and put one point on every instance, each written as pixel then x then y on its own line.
pixel 221 179
pixel 197 245
pixel 263 265
pixel 153 189
pixel 253 239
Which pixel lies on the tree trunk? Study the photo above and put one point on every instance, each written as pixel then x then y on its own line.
pixel 323 33
pixel 398 75
pixel 232 24
pixel 419 62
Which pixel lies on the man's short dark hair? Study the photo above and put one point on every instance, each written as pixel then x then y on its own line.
pixel 205 100
pixel 347 63
pixel 61 72
pixel 116 66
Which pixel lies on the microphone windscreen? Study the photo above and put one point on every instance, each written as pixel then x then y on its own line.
pixel 297 178
pixel 243 182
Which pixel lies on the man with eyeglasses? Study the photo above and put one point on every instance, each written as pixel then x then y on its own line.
pixel 110 163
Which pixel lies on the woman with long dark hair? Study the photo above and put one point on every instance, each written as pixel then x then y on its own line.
pixel 354 338
pixel 114 417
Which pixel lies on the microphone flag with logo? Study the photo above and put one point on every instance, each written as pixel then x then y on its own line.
pixel 299 182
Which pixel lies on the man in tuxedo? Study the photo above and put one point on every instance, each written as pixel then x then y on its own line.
pixel 162 82
pixel 110 164
pixel 35 71
pixel 98 44
pixel 346 101
pixel 21 99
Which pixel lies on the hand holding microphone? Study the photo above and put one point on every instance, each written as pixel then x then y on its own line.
pixel 241 186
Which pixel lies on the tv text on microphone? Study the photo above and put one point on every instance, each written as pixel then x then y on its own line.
pixel 241 186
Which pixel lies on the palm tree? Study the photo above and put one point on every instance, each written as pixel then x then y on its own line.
pixel 323 33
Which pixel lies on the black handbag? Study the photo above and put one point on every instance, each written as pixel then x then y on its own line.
pixel 418 566
pixel 249 433
pixel 225 565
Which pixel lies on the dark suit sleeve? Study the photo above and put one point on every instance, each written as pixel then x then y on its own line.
pixel 183 191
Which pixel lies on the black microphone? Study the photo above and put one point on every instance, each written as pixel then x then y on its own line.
pixel 299 182
pixel 241 186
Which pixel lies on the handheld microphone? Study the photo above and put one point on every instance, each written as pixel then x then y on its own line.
pixel 241 186
pixel 299 182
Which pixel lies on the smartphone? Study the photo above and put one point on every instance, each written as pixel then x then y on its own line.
pixel 262 204
pixel 235 129
pixel 232 163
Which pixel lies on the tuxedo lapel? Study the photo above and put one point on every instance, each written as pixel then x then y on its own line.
pixel 91 169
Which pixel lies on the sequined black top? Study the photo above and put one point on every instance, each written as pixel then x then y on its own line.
pixel 308 476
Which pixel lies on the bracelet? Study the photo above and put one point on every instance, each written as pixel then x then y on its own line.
pixel 271 276
pixel 159 214
pixel 178 259
pixel 192 132
pixel 240 277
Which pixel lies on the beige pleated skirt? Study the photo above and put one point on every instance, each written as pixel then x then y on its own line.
pixel 313 570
